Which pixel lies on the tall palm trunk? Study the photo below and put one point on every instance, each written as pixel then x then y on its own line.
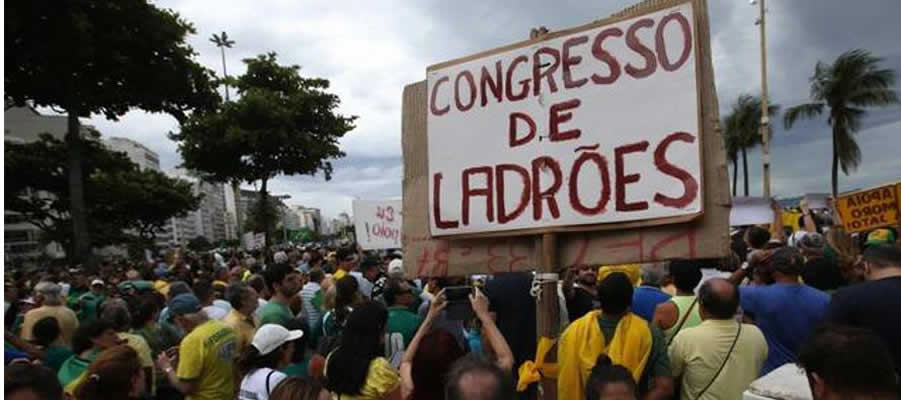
pixel 77 209
pixel 744 161
pixel 734 176
pixel 835 161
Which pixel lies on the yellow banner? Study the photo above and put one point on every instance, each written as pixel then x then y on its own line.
pixel 870 209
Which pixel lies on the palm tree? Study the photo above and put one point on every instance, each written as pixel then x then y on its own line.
pixel 848 86
pixel 742 128
pixel 731 141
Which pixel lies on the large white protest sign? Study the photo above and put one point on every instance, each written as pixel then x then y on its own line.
pixel 594 126
pixel 750 211
pixel 378 223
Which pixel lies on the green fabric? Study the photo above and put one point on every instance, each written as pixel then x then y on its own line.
pixel 140 286
pixel 275 313
pixel 297 369
pixel 658 361
pixel 55 356
pixel 72 299
pixel 73 367
pixel 401 320
pixel 89 303
pixel 683 303
pixel 154 336
pixel 317 300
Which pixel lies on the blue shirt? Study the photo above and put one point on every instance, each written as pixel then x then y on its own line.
pixel 785 313
pixel 645 301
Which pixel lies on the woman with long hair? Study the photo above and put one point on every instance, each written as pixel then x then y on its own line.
pixel 357 368
pixel 270 350
pixel 115 374
pixel 347 295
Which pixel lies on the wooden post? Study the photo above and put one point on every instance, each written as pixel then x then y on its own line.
pixel 548 306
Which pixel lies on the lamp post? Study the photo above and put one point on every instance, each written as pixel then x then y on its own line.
pixel 764 100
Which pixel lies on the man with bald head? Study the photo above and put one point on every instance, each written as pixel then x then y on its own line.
pixel 719 358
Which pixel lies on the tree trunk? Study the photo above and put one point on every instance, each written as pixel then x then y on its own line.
pixel 734 176
pixel 835 162
pixel 263 214
pixel 744 161
pixel 236 189
pixel 78 212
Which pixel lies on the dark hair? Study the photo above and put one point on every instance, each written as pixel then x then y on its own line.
pixel 300 345
pixel 296 388
pixel 178 287
pixel 686 274
pixel 502 389
pixel 605 373
pixel 849 361
pixel 45 331
pixel 758 237
pixel 369 262
pixel 721 304
pixel 251 359
pixel 275 274
pixel 116 313
pixel 147 307
pixel 786 260
pixel 393 289
pixel 258 282
pixel 235 294
pixel 615 293
pixel 360 343
pixel 81 339
pixel 344 253
pixel 39 379
pixel 345 294
pixel 883 255
pixel 437 352
pixel 111 375
pixel 316 275
pixel 203 290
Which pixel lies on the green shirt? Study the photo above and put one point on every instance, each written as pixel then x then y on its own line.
pixel 74 367
pixel 89 303
pixel 55 356
pixel 297 369
pixel 275 313
pixel 401 320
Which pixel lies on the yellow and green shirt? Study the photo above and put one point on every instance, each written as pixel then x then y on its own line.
pixel 206 356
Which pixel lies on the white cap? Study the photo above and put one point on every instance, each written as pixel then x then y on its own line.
pixel 97 282
pixel 396 268
pixel 280 257
pixel 271 336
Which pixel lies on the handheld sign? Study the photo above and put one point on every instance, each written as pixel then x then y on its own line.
pixel 596 125
pixel 631 171
pixel 750 211
pixel 378 223
pixel 865 210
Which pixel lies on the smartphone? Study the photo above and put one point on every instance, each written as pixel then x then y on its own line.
pixel 458 306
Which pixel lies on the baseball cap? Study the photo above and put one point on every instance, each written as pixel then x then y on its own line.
pixel 880 236
pixel 271 336
pixel 185 303
pixel 396 268
pixel 97 282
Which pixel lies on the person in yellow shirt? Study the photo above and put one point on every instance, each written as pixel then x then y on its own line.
pixel 206 355
pixel 719 358
pixel 626 338
pixel 244 301
pixel 115 312
pixel 50 296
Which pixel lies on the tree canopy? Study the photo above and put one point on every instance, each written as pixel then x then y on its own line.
pixel 122 199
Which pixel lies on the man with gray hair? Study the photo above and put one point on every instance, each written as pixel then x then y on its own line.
pixel 648 295
pixel 115 312
pixel 52 303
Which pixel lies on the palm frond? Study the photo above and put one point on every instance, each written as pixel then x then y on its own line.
pixel 849 155
pixel 873 98
pixel 805 111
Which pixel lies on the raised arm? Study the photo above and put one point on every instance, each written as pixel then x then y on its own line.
pixel 495 338
pixel 406 366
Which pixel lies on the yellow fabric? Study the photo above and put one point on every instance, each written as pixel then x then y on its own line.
pixel 530 372
pixel 583 341
pixel 381 380
pixel 206 356
pixel 244 329
pixel 162 287
pixel 70 388
pixel 140 346
pixel 696 355
pixel 66 318
pixel 633 271
pixel 340 273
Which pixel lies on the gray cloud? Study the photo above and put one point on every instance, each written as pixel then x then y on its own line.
pixel 370 50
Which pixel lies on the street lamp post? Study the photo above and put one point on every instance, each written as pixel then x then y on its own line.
pixel 764 101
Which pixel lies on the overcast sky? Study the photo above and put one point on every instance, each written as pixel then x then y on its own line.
pixel 370 49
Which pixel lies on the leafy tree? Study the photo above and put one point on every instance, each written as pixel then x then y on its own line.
pixel 100 57
pixel 121 199
pixel 848 86
pixel 200 243
pixel 741 130
pixel 281 124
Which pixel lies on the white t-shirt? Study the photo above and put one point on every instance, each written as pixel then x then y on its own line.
pixel 253 386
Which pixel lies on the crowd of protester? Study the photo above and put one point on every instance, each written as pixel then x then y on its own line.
pixel 321 323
